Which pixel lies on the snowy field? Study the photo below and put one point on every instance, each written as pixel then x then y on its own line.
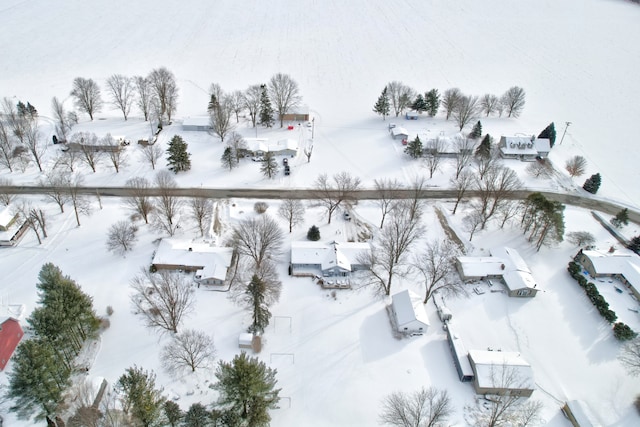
pixel 337 358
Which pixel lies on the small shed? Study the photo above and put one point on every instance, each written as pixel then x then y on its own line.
pixel 409 314
pixel 10 335
pixel 411 115
pixel 399 133
pixel 250 342
pixel 199 123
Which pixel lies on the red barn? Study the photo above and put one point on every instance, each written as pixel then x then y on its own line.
pixel 10 335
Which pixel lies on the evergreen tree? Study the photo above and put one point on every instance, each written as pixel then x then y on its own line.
pixel 476 132
pixel 255 299
pixel 550 133
pixel 419 104
pixel 543 219
pixel 382 105
pixel 621 218
pixel 213 104
pixel 414 148
pixel 22 109
pixel 432 100
pixel 31 110
pixel 37 381
pixel 229 159
pixel 178 158
pixel 141 399
pixel 269 166
pixel 592 184
pixel 634 244
pixel 266 110
pixel 172 413
pixel 313 234
pixel 246 387
pixel 623 332
pixel 484 149
pixel 197 416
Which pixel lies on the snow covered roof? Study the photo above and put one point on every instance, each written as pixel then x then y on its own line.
pixel 264 145
pixel 491 365
pixel 542 145
pixel 328 255
pixel 285 144
pixel 481 266
pixel 197 121
pixel 6 216
pixel 516 273
pixel 518 145
pixel 627 265
pixel 211 261
pixel 461 353
pixel 408 307
pixel 399 131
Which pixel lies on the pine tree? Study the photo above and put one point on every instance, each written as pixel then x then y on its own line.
pixel 484 149
pixel 141 399
pixel 382 105
pixel 476 132
pixel 197 416
pixel 229 159
pixel 246 388
pixel 419 104
pixel 213 104
pixel 634 244
pixel 313 234
pixel 266 110
pixel 172 413
pixel 623 332
pixel 269 167
pixel 22 109
pixel 33 113
pixel 550 133
pixel 592 184
pixel 432 100
pixel 255 299
pixel 414 148
pixel 621 218
pixel 178 158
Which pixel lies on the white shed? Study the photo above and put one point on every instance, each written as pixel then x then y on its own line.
pixel 409 314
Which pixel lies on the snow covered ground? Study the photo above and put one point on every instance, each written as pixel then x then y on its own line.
pixel 337 358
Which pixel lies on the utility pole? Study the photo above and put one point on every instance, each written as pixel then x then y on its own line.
pixel 567 124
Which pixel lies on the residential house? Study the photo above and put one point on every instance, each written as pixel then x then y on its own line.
pixel 261 146
pixel 505 265
pixel 10 335
pixel 518 147
pixel 209 263
pixel 198 123
pixel 338 259
pixel 409 315
pixel 624 267
pixel 297 114
pixel 12 228
pixel 501 373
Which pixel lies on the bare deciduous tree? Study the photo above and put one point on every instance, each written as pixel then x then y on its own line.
pixel 200 211
pixel 220 117
pixel 86 94
pixel 390 249
pixel 167 207
pixel 57 184
pixel 238 145
pixel 461 184
pixel 87 143
pixel 121 237
pixel 292 211
pixel 464 153
pixel 63 124
pixel 284 94
pixel 34 217
pixel 260 239
pixel 507 210
pixel 489 104
pixel 236 103
pixel 496 187
pixel 539 169
pixel 308 150
pixel 165 89
pixel 486 163
pixel 581 238
pixel 117 154
pixel 629 356
pixel 68 159
pixel 433 155
pixel 84 413
pixel 427 407
pixel 121 88
pixel 152 153
pixel 450 99
pixel 400 95
pixel 473 221
pixel 436 263
pixel 6 197
pixel 80 202
pixel 386 190
pixel 139 201
pixel 576 166
pixel 34 143
pixel 252 102
pixel 7 147
pixel 188 350
pixel 513 101
pixel 331 193
pixel 163 299
pixel 145 95
pixel 466 110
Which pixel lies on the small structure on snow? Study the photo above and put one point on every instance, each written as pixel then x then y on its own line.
pixel 399 133
pixel 460 355
pixel 501 373
pixel 525 148
pixel 11 334
pixel 410 317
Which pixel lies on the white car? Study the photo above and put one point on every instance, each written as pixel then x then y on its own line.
pixel 258 159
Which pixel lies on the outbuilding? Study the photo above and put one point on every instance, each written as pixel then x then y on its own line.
pixel 10 336
pixel 409 315
pixel 199 123
pixel 399 133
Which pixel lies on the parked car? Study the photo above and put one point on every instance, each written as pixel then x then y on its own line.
pixel 258 159
pixel 287 171
pixel 346 216
pixel 285 161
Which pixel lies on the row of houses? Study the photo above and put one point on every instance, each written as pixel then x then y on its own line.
pixel 203 123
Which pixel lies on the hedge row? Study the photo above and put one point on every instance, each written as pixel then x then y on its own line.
pixel 620 330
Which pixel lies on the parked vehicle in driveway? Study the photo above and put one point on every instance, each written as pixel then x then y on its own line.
pixel 285 161
pixel 287 171
pixel 258 159
pixel 346 216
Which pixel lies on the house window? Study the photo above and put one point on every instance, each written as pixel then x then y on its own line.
pixel 405 329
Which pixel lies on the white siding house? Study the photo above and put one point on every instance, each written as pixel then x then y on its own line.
pixel 329 259
pixel 209 263
pixel 410 317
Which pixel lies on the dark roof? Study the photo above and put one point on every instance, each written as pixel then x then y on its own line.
pixel 10 335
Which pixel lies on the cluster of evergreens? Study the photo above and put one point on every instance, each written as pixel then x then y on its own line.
pixel 43 363
pixel 543 219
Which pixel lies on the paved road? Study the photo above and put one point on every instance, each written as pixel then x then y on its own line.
pixel 581 200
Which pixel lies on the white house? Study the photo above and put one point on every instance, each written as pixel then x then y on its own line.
pixel 525 148
pixel 410 317
pixel 501 372
pixel 210 263
pixel 329 259
pixel 624 267
pixel 12 227
pixel 506 265
pixel 261 146
pixel 198 123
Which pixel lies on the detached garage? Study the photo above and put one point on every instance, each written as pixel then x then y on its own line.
pixel 409 315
